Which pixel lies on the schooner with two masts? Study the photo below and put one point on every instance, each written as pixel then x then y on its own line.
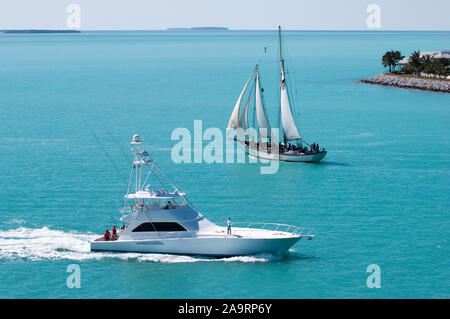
pixel 258 143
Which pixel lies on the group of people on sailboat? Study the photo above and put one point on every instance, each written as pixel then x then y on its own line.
pixel 314 148
pixel 283 148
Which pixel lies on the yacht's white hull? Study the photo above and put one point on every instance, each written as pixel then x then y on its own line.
pixel 286 157
pixel 203 246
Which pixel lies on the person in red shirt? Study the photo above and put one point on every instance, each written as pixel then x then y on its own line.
pixel 107 235
pixel 114 233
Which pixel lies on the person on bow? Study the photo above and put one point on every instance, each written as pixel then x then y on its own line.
pixel 229 226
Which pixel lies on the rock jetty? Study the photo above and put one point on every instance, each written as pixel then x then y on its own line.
pixel 410 82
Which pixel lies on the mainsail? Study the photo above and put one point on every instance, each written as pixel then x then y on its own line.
pixel 263 123
pixel 287 120
pixel 234 119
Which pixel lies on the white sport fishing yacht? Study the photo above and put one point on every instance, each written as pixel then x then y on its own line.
pixel 258 143
pixel 160 219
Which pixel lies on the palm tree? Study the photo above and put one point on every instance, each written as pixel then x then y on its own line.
pixel 446 65
pixel 439 66
pixel 388 60
pixel 427 63
pixel 415 63
pixel 396 56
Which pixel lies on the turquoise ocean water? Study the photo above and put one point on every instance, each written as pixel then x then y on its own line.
pixel 381 196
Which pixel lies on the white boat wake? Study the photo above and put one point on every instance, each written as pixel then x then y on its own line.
pixel 46 244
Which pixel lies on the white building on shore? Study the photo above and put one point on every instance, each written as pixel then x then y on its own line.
pixel 434 55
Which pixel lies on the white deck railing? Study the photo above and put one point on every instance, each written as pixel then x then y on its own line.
pixel 294 230
pixel 237 227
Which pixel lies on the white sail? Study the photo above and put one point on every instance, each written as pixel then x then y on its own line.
pixel 263 123
pixel 243 121
pixel 234 119
pixel 287 120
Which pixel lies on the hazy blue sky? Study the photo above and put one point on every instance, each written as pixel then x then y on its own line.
pixel 235 14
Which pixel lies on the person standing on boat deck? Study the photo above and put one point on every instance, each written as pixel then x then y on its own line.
pixel 114 233
pixel 107 235
pixel 229 226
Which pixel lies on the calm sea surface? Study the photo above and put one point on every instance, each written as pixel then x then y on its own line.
pixel 381 196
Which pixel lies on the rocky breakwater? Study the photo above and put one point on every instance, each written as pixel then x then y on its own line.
pixel 410 82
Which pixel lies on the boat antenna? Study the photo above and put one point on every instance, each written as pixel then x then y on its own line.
pixel 107 155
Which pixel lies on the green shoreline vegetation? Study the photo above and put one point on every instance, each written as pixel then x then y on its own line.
pixel 423 70
pixel 416 64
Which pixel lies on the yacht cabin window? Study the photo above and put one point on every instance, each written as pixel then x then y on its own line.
pixel 159 226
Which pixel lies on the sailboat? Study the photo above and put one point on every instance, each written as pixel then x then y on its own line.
pixel 258 142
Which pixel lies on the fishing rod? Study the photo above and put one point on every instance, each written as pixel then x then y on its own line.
pixel 109 156
pixel 117 143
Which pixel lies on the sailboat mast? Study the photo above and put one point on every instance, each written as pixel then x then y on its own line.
pixel 281 69
pixel 264 129
pixel 281 53
pixel 256 97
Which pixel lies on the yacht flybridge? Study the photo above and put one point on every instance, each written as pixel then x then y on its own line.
pixel 258 143
pixel 160 219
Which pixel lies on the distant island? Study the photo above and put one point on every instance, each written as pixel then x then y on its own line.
pixel 41 31
pixel 199 29
pixel 423 70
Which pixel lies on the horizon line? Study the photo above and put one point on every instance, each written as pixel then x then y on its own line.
pixel 189 29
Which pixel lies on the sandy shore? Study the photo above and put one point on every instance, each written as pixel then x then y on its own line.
pixel 410 82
